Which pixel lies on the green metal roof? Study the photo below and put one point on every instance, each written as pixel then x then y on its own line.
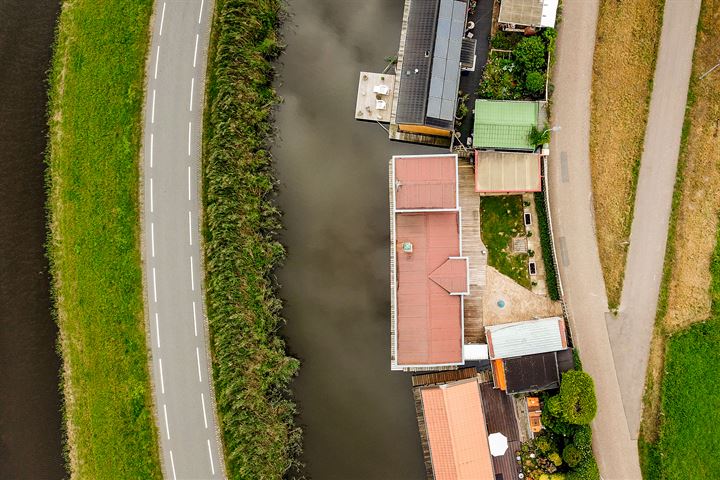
pixel 504 124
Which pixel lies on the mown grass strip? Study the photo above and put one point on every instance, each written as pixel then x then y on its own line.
pixel 96 99
pixel 251 369
pixel 628 34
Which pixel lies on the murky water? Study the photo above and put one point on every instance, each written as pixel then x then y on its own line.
pixel 30 420
pixel 358 417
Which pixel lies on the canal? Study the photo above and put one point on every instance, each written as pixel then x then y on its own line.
pixel 30 419
pixel 358 417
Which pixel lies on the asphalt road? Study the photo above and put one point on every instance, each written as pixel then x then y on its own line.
pixel 573 224
pixel 184 401
pixel 631 331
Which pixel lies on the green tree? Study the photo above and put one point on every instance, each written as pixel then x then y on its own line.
pixel 577 397
pixel 535 83
pixel 530 54
pixel 572 456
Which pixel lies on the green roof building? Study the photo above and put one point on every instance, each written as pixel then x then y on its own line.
pixel 504 125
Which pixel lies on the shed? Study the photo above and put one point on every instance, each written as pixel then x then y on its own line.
pixel 507 172
pixel 504 124
pixel 528 13
pixel 526 338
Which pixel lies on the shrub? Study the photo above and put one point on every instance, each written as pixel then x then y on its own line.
pixel 505 40
pixel 499 82
pixel 555 458
pixel 572 456
pixel 535 83
pixel 530 54
pixel 577 397
pixel 551 279
pixel 543 444
pixel 582 439
pixel 538 137
pixel 587 470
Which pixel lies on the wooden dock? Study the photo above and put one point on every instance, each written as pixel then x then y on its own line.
pixel 474 249
pixel 443 377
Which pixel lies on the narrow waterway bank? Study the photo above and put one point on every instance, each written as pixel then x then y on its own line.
pixel 358 416
pixel 30 403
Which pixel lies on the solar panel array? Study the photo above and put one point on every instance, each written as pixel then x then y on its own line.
pixel 445 74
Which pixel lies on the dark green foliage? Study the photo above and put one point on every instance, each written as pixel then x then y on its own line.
pixel 538 137
pixel 551 279
pixel 587 470
pixel 577 397
pixel 500 80
pixel 505 40
pixel 535 83
pixel 530 54
pixel 251 369
pixel 572 456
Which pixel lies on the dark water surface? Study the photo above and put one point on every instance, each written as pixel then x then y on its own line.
pixel 358 417
pixel 30 420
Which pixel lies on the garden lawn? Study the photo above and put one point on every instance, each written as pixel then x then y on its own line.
pixel 501 219
pixel 96 98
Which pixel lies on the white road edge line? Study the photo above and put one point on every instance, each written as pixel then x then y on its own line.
pixel 192 275
pixel 202 397
pixel 167 425
pixel 152 144
pixel 212 464
pixel 162 19
pixel 154 285
pixel 152 115
pixel 189 137
pixel 197 38
pixel 197 354
pixel 157 328
pixel 192 89
pixel 162 379
pixel 194 318
pixel 152 238
pixel 189 184
pixel 172 464
pixel 202 2
pixel 157 60
pixel 189 227
pixel 151 196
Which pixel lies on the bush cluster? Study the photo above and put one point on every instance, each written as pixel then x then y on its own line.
pixel 241 221
pixel 551 279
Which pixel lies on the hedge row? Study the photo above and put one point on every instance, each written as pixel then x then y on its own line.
pixel 551 278
pixel 251 369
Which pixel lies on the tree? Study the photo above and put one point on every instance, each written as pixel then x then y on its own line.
pixel 530 54
pixel 572 456
pixel 577 397
pixel 535 83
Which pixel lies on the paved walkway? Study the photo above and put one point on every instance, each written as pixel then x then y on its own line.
pixel 571 209
pixel 631 331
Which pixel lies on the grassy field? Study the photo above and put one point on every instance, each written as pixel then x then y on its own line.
pixel 501 219
pixel 627 39
pixel 690 287
pixel 251 369
pixel 96 98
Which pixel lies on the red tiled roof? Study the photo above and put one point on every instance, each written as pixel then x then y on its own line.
pixel 425 182
pixel 456 432
pixel 429 319
pixel 452 275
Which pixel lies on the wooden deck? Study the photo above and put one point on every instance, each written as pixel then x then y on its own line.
pixel 500 417
pixel 473 248
pixel 443 377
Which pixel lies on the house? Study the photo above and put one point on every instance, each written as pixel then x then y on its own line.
pixel 433 51
pixel 504 125
pixel 503 173
pixel 516 14
pixel 428 273
pixel 468 430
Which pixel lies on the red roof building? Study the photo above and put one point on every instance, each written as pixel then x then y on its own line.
pixel 429 275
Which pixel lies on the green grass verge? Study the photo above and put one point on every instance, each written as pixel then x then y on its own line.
pixel 551 278
pixel 251 369
pixel 96 98
pixel 501 219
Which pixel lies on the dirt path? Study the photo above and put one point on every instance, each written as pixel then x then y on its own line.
pixel 631 331
pixel 571 208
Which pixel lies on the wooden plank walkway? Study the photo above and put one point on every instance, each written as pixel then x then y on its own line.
pixel 443 377
pixel 473 248
pixel 500 417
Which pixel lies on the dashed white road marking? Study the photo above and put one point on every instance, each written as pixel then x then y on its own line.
pixel 189 137
pixel 162 379
pixel 189 227
pixel 192 275
pixel 202 2
pixel 192 89
pixel 202 397
pixel 172 464
pixel 194 318
pixel 157 60
pixel 152 238
pixel 197 354
pixel 152 115
pixel 162 19
pixel 152 206
pixel 212 464
pixel 189 184
pixel 157 328
pixel 152 145
pixel 197 38
pixel 167 425
pixel 154 285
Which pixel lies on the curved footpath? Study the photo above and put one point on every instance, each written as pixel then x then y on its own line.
pixel 181 369
pixel 631 331
pixel 576 245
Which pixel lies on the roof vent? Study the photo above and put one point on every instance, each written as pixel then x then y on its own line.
pixel 407 247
